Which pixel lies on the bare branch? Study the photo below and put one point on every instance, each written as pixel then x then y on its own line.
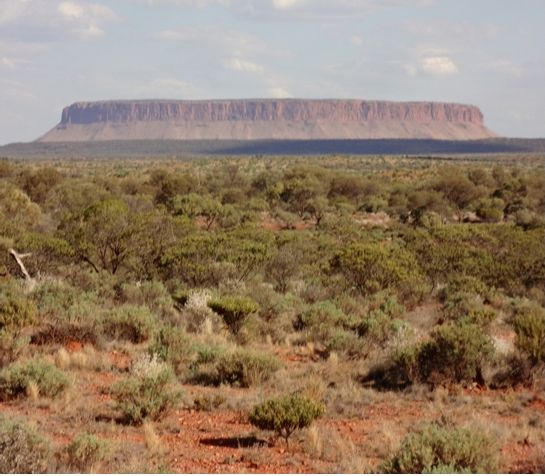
pixel 18 258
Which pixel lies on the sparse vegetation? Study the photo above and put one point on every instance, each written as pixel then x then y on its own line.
pixel 245 278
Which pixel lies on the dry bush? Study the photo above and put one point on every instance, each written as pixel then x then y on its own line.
pixel 22 450
pixel 442 447
pixel 152 439
pixel 86 453
pixel 16 378
pixel 149 392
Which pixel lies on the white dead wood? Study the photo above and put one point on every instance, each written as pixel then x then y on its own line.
pixel 18 257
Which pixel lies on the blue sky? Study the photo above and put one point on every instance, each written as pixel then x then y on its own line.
pixel 483 52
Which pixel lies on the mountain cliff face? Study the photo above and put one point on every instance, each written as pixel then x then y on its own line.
pixel 267 119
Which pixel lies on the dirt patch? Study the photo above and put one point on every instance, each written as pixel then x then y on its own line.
pixel 223 441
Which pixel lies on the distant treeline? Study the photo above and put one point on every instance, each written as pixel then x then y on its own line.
pixel 271 147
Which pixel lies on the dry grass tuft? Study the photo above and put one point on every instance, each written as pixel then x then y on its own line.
pixel 90 359
pixel 327 444
pixel 32 391
pixel 152 439
pixel 62 359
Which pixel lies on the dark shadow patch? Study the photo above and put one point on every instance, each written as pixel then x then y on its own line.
pixel 385 377
pixel 234 442
pixel 117 419
pixel 63 334
pixel 105 418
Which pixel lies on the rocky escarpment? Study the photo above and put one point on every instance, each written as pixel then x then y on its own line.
pixel 267 119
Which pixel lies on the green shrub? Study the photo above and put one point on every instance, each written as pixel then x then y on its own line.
pixel 172 345
pixel 468 307
pixel 382 320
pixel 458 283
pixel 133 323
pixel 207 354
pixel 207 402
pixel 318 314
pixel 16 311
pixel 85 452
pixel 181 297
pixel 529 325
pixel 323 322
pixel 245 368
pixel 344 342
pixel 59 302
pixel 456 353
pixel 491 210
pixel 429 219
pixel 15 379
pixel 22 450
pixel 12 346
pixel 286 414
pixel 378 327
pixel 372 267
pixel 234 310
pixel 147 393
pixel 437 448
pixel 151 294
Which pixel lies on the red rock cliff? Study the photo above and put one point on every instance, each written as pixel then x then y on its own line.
pixel 268 110
pixel 267 119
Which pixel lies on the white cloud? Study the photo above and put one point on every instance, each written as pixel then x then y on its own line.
pixel 438 66
pixel 229 42
pixel 70 10
pixel 85 17
pixel 245 66
pixel 10 10
pixel 40 21
pixel 286 4
pixel 7 63
pixel 278 92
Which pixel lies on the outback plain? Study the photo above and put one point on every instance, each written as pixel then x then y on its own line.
pixel 269 314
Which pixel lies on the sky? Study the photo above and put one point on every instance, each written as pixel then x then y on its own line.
pixel 490 53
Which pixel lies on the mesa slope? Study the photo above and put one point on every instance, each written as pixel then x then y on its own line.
pixel 262 119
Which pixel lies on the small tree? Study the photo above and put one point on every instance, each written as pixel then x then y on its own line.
pixel 234 310
pixel 286 414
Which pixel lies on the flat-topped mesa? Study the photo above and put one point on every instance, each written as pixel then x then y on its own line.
pixel 242 119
